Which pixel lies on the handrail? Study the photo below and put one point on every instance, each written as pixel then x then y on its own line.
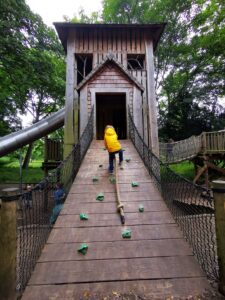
pixel 190 204
pixel 37 205
pixel 206 142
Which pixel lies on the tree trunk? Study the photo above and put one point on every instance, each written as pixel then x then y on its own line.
pixel 28 156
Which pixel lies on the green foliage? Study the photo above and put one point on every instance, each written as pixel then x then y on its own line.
pixel 185 168
pixel 125 11
pixel 190 60
pixel 83 18
pixel 10 171
pixel 32 67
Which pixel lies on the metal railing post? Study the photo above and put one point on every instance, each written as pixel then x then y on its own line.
pixel 219 201
pixel 8 244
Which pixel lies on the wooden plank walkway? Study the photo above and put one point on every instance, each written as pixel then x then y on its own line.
pixel 156 261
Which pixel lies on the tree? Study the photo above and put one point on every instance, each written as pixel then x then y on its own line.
pixel 32 67
pixel 189 61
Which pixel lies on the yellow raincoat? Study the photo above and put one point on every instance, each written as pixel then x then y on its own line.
pixel 111 140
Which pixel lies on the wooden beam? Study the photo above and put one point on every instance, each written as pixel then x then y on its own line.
pixel 214 167
pixel 71 105
pixel 153 134
pixel 200 172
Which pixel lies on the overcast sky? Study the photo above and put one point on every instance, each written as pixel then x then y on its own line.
pixel 54 10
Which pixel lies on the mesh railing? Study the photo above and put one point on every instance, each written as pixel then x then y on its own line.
pixel 191 205
pixel 35 208
pixel 174 152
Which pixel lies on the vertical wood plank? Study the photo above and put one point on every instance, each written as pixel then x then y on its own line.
pixel 145 106
pixel 119 42
pixel 114 45
pixel 133 41
pixel 95 57
pixel 138 42
pixel 109 37
pixel 151 97
pixel 105 42
pixel 85 41
pixel 69 131
pixel 142 42
pixel 83 109
pixel 128 41
pixel 100 40
pixel 8 248
pixel 91 46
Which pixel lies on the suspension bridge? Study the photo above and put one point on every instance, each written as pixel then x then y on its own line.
pixel 167 249
pixel 156 260
pixel 172 249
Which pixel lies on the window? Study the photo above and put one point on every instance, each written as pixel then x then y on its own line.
pixel 84 66
pixel 135 61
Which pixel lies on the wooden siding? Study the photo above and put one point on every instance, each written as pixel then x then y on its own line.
pixel 110 77
pixel 121 42
pixel 103 41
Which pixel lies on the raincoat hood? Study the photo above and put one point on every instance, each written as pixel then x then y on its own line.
pixel 110 131
pixel 111 140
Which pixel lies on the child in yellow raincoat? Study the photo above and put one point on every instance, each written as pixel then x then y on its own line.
pixel 113 146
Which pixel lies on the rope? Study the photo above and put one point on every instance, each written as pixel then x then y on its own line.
pixel 120 206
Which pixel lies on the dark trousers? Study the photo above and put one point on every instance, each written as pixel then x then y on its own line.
pixel 112 157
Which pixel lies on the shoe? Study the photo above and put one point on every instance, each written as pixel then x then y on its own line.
pixel 110 172
pixel 121 165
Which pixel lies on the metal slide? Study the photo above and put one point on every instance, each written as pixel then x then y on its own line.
pixel 25 136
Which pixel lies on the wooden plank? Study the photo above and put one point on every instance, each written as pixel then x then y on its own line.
pixel 109 39
pixel 99 45
pixel 138 41
pixel 118 249
pixel 110 207
pixel 95 168
pixel 113 219
pixel 86 40
pixel 152 289
pixel 118 269
pixel 133 41
pixel 156 252
pixel 104 172
pixel 119 40
pixel 127 197
pixel 69 135
pixel 95 234
pixel 124 187
pixel 106 180
pixel 152 98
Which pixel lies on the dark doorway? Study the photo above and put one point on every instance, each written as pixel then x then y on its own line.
pixel 111 110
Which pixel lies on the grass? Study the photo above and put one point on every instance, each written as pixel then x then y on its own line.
pixel 10 171
pixel 185 168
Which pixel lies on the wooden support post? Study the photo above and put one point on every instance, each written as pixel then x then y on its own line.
pixel 203 142
pixel 219 200
pixel 152 105
pixel 8 244
pixel 71 105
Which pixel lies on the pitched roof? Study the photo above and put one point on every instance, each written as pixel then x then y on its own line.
pixel 154 29
pixel 110 58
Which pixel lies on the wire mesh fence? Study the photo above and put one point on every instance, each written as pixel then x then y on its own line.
pixel 192 206
pixel 37 206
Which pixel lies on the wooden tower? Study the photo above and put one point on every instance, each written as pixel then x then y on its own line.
pixel 110 67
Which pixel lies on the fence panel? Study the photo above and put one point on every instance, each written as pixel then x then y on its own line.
pixel 36 205
pixel 191 206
